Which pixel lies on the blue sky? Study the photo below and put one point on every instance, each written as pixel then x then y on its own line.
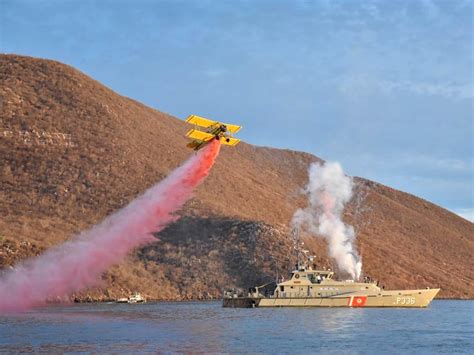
pixel 384 87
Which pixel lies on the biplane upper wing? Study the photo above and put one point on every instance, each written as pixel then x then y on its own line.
pixel 233 128
pixel 232 141
pixel 200 121
pixel 195 134
pixel 206 123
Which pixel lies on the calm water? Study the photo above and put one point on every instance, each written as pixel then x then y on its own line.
pixel 445 327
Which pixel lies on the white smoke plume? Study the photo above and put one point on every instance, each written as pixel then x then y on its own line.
pixel 328 190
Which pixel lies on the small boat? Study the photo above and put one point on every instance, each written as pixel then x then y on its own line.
pixel 136 298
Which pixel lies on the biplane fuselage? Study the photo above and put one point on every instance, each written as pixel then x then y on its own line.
pixel 210 130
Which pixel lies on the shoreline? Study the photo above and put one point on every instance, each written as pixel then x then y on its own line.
pixel 209 300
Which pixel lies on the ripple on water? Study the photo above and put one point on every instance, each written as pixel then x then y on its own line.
pixel 446 326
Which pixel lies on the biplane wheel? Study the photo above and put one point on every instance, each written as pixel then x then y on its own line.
pixel 227 140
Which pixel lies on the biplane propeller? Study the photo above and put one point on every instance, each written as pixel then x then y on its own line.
pixel 209 130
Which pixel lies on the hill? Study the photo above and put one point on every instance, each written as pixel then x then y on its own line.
pixel 74 151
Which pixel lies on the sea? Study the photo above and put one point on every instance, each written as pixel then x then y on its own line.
pixel 206 327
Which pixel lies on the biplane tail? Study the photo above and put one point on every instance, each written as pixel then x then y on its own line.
pixel 194 144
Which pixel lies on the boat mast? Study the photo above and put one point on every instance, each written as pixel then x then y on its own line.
pixel 295 236
pixel 304 260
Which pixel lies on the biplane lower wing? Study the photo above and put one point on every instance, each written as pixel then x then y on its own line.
pixel 229 141
pixel 200 121
pixel 203 136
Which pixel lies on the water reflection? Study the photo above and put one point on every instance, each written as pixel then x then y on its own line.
pixel 339 320
pixel 207 327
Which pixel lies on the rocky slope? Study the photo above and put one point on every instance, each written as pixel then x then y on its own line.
pixel 73 151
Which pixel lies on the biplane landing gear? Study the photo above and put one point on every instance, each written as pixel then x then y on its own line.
pixel 227 140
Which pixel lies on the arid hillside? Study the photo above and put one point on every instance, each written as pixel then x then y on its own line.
pixel 73 151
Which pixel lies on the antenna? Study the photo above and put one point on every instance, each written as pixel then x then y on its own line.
pixel 304 259
pixel 295 236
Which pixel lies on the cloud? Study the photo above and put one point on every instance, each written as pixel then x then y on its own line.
pixel 438 165
pixel 450 91
pixel 215 73
pixel 364 84
pixel 409 163
pixel 431 8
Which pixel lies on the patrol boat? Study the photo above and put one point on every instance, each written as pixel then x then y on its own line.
pixel 318 288
pixel 310 287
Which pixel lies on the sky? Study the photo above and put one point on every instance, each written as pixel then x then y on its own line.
pixel 385 87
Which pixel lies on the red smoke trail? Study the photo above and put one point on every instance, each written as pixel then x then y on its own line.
pixel 78 264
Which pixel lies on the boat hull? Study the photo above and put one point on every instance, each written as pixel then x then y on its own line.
pixel 401 299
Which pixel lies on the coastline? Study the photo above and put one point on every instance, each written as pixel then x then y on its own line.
pixel 153 300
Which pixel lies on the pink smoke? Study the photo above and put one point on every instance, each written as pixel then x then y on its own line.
pixel 78 264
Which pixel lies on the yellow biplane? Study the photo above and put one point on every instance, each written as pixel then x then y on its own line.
pixel 210 130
